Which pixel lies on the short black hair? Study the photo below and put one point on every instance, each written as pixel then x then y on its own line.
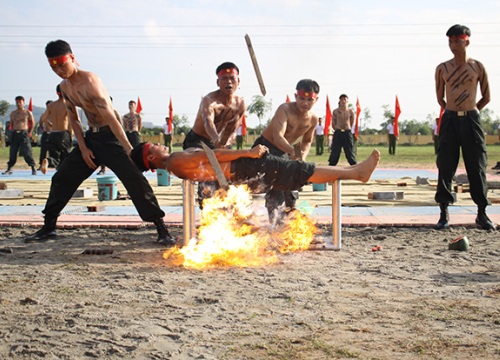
pixel 57 48
pixel 19 97
pixel 137 158
pixel 308 85
pixel 343 96
pixel 226 65
pixel 457 30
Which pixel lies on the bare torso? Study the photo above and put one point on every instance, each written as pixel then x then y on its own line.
pixel 20 119
pixel 193 164
pixel 87 92
pixel 58 116
pixel 342 119
pixel 223 114
pixel 288 125
pixel 458 82
pixel 131 121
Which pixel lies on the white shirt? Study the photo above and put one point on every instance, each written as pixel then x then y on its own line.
pixel 435 129
pixel 320 130
pixel 165 129
pixel 390 129
pixel 239 130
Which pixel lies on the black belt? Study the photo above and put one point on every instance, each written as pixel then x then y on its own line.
pixel 99 129
pixel 462 113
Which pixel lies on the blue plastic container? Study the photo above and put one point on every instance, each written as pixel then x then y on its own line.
pixel 107 187
pixel 320 187
pixel 163 177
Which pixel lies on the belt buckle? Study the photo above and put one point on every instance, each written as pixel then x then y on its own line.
pixel 461 113
pixel 95 129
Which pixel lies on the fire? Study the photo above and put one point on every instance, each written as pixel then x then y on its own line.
pixel 231 234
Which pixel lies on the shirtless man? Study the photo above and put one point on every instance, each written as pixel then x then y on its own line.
pixel 104 142
pixel 342 122
pixel 59 140
pixel 291 121
pixel 44 124
pixel 132 123
pixel 255 166
pixel 458 80
pixel 22 122
pixel 218 118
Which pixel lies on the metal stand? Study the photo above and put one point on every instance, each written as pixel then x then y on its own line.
pixel 337 214
pixel 188 211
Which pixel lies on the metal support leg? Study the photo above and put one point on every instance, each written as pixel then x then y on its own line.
pixel 337 214
pixel 188 210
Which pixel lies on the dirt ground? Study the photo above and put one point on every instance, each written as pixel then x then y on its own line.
pixel 413 299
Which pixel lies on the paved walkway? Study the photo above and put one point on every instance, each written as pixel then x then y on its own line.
pixel 126 216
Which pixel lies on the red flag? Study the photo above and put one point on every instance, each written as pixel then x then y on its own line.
pixel 356 126
pixel 30 108
pixel 170 115
pixel 328 117
pixel 243 125
pixel 441 112
pixel 287 98
pixel 397 112
pixel 139 106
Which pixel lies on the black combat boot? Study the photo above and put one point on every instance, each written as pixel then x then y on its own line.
pixel 164 237
pixel 444 218
pixel 47 231
pixel 482 219
pixel 33 170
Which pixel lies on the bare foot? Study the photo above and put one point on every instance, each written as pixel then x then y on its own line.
pixel 367 167
pixel 44 166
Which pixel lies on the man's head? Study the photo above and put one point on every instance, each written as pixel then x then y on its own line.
pixel 343 99
pixel 227 77
pixel 307 93
pixel 19 102
pixel 60 55
pixel 458 37
pixel 166 119
pixel 147 156
pixel 132 105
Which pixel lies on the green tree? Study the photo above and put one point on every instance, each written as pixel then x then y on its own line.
pixel 181 124
pixel 4 107
pixel 259 106
pixel 388 115
pixel 364 119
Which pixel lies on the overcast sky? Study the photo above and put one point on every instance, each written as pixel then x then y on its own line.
pixel 157 49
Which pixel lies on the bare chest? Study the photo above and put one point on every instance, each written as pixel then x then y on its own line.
pixel 20 120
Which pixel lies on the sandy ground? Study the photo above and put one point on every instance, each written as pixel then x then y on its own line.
pixel 413 299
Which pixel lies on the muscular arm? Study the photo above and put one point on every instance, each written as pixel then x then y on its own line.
pixel 208 117
pixel 31 122
pixel 139 122
pixel 351 118
pixel 440 86
pixel 484 86
pixel 75 124
pixel 279 124
pixel 102 102
pixel 305 145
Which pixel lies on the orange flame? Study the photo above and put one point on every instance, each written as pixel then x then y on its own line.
pixel 230 234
